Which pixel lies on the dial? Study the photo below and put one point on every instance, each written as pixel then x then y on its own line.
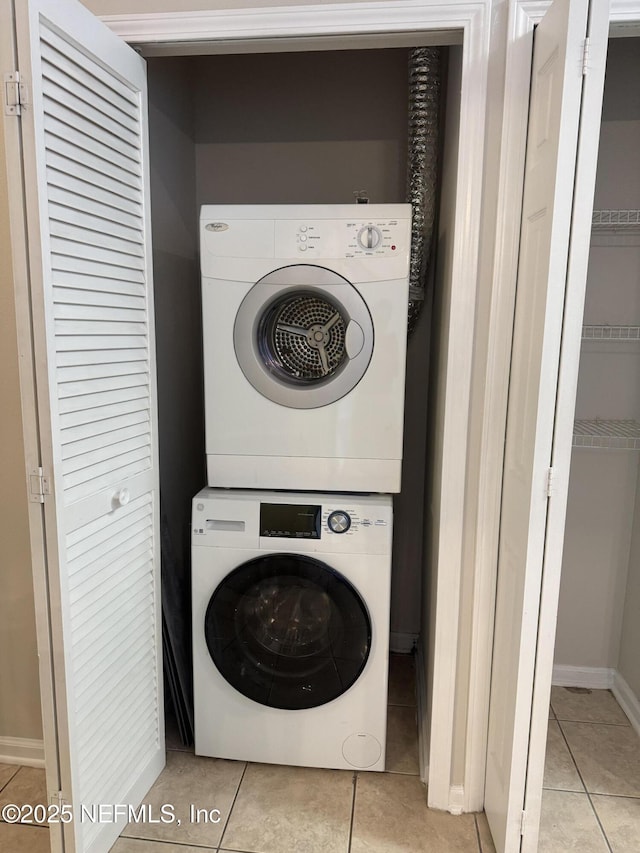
pixel 369 237
pixel 339 521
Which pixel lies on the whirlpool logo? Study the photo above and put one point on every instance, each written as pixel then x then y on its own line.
pixel 217 226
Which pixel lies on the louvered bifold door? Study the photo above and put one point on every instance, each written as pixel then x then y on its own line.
pixel 86 175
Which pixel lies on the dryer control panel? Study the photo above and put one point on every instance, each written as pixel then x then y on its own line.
pixel 357 238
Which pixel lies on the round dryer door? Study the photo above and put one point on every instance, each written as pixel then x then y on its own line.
pixel 288 631
pixel 303 336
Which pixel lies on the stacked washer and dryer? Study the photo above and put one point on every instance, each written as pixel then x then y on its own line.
pixel 304 326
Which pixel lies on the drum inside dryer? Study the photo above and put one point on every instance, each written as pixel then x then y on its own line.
pixel 288 631
pixel 303 336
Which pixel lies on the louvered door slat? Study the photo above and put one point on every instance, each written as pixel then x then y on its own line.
pixel 93 237
pixel 85 147
pixel 96 758
pixel 81 483
pixel 92 172
pixel 96 284
pixel 83 422
pixel 86 373
pixel 61 196
pixel 97 763
pixel 79 127
pixel 96 327
pixel 109 452
pixel 135 376
pixel 70 311
pixel 78 100
pixel 133 717
pixel 98 618
pixel 79 449
pixel 63 214
pixel 80 406
pixel 104 108
pixel 88 197
pixel 86 189
pixel 112 643
pixel 114 577
pixel 71 358
pixel 95 562
pixel 85 436
pixel 55 51
pixel 82 343
pixel 99 719
pixel 88 268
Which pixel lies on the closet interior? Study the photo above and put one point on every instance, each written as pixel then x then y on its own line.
pixel 299 127
pixel 598 633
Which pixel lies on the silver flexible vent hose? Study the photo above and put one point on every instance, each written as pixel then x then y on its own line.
pixel 425 74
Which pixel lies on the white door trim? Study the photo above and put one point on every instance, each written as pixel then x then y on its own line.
pixel 305 21
pixel 30 752
pixel 470 19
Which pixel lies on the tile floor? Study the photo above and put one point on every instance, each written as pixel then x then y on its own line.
pixel 591 797
pixel 591 800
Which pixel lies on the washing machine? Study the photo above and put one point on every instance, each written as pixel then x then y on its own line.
pixel 304 329
pixel 291 627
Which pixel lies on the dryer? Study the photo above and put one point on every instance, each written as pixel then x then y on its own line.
pixel 304 329
pixel 291 627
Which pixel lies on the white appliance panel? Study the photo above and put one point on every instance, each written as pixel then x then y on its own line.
pixel 348 729
pixel 352 443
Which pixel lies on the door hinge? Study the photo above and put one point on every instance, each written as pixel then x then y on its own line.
pixel 523 820
pixel 38 486
pixel 56 798
pixel 585 56
pixel 15 94
pixel 551 481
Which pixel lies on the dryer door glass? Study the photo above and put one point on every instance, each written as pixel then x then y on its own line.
pixel 288 631
pixel 303 336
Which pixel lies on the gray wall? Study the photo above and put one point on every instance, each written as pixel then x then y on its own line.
pixel 629 663
pixel 176 292
pixel 301 127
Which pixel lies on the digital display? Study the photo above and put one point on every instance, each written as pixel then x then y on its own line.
pixel 290 521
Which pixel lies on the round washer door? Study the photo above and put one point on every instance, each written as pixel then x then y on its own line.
pixel 288 631
pixel 303 336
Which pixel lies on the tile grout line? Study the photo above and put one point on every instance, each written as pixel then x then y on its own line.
pixel 13 775
pixel 235 797
pixel 353 810
pixel 479 840
pixel 593 808
pixel 596 723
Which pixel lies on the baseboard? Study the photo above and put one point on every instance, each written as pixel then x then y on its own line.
pixel 402 644
pixel 456 799
pixel 595 677
pixel 627 700
pixel 423 715
pixel 20 750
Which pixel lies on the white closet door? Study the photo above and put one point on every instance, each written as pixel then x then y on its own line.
pixel 524 633
pixel 86 174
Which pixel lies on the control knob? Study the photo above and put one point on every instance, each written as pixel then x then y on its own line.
pixel 369 237
pixel 339 521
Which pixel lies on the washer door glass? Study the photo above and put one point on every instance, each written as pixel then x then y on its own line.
pixel 303 336
pixel 288 631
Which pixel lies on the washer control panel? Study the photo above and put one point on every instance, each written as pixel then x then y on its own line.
pixel 291 521
pixel 352 520
pixel 357 238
